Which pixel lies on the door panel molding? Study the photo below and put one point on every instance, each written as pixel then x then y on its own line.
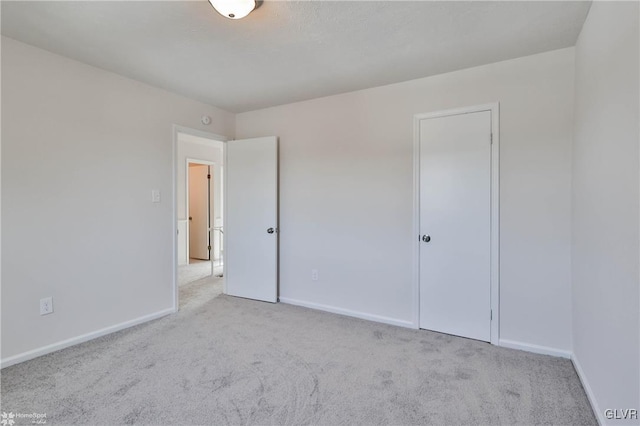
pixel 494 108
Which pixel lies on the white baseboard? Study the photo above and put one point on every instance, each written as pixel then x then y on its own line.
pixel 587 388
pixel 34 353
pixel 543 350
pixel 349 313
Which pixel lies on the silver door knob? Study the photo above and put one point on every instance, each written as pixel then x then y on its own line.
pixel 270 230
pixel 426 238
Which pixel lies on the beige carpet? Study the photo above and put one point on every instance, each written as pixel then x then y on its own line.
pixel 223 360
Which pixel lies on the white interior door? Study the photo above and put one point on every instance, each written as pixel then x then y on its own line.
pixel 455 224
pixel 251 219
pixel 198 211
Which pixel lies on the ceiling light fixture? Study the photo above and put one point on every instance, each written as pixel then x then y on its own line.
pixel 233 9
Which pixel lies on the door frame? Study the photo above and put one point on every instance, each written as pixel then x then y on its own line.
pixel 177 129
pixel 494 108
pixel 186 180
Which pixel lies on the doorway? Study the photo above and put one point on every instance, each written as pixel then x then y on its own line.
pixel 205 255
pixel 199 211
pixel 240 229
pixel 199 160
pixel 456 163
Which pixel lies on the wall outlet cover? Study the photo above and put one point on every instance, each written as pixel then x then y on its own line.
pixel 46 306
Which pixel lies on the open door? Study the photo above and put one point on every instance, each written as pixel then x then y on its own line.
pixel 251 219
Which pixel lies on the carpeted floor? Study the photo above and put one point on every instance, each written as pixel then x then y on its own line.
pixel 196 270
pixel 224 360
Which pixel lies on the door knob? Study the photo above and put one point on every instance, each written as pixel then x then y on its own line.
pixel 426 238
pixel 270 230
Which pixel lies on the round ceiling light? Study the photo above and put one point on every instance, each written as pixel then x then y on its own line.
pixel 233 9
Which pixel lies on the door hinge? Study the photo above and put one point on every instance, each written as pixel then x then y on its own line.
pixel 209 248
pixel 491 314
pixel 492 138
pixel 209 176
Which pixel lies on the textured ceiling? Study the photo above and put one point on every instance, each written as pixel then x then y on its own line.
pixel 290 51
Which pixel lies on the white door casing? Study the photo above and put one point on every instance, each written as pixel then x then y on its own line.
pixel 183 258
pixel 251 218
pixel 457 208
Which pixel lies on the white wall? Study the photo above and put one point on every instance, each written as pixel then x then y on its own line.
pixel 346 192
pixel 82 149
pixel 605 208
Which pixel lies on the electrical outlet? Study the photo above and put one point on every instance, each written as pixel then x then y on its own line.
pixel 155 195
pixel 314 274
pixel 46 306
